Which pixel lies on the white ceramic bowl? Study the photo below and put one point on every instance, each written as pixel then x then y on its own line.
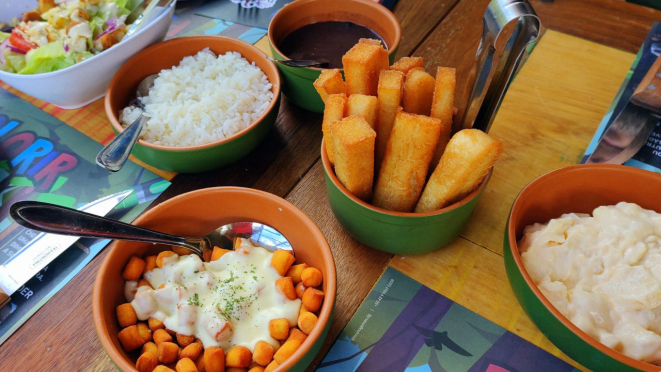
pixel 86 81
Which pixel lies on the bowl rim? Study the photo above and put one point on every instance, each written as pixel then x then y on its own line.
pixel 164 13
pixel 514 249
pixel 331 278
pixel 376 6
pixel 276 86
pixel 331 174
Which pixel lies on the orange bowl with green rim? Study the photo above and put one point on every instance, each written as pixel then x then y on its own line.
pixel 575 189
pixel 195 214
pixel 297 81
pixel 200 158
pixel 397 232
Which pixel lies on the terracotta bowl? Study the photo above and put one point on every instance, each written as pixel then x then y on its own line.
pixel 297 82
pixel 397 232
pixel 578 189
pixel 199 158
pixel 195 214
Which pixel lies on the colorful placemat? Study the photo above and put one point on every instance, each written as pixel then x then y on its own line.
pixel 187 22
pixel 405 326
pixel 44 159
pixel 252 13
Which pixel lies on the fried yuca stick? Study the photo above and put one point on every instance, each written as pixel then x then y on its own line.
pixel 418 92
pixel 442 107
pixel 362 64
pixel 365 106
pixel 353 143
pixel 406 64
pixel 329 82
pixel 335 110
pixel 467 159
pixel 404 169
pixel 391 88
pixel 369 41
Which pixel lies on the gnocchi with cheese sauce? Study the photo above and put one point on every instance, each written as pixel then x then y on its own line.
pixel 247 308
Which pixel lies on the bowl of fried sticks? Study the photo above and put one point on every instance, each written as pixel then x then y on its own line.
pixel 397 178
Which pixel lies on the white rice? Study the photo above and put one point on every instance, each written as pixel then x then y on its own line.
pixel 204 99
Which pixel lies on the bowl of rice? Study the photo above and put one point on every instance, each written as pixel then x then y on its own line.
pixel 214 100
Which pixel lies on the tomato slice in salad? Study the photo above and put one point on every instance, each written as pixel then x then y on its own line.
pixel 17 41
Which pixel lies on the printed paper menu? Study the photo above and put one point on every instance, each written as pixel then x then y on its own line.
pixel 405 326
pixel 649 156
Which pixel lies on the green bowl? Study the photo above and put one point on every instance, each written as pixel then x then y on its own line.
pixel 297 81
pixel 397 232
pixel 191 159
pixel 577 189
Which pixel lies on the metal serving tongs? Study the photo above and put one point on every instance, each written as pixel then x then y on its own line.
pixel 489 87
pixel 136 18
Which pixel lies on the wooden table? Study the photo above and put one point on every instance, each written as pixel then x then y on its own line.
pixel 61 336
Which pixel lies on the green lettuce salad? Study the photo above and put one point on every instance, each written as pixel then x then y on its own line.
pixel 56 36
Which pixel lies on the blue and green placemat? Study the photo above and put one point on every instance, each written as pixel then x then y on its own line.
pixel 44 159
pixel 405 326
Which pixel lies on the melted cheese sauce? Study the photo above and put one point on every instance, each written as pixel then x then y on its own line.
pixel 604 274
pixel 224 303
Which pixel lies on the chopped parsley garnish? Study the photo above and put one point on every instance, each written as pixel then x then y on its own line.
pixel 195 300
pixel 235 305
pixel 232 297
pixel 230 279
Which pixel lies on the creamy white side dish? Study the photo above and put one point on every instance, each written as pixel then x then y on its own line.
pixel 603 272
pixel 224 303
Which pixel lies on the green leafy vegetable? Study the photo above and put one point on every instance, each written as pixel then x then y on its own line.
pixel 14 61
pixel 47 58
pixel 124 4
pixel 96 25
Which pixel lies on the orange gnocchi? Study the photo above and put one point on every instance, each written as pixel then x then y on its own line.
pixel 187 348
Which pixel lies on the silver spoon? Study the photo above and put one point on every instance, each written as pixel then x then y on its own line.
pixel 300 62
pixel 114 155
pixel 54 219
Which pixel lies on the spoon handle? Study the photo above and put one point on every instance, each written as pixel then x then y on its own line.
pixel 50 218
pixel 114 155
pixel 299 62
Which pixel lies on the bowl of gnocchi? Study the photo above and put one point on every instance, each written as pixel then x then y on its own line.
pixel 161 308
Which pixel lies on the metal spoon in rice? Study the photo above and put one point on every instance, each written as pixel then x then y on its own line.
pixel 114 155
pixel 55 219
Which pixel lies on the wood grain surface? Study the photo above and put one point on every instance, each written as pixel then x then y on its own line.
pixel 358 267
pixel 542 123
pixel 61 337
pixel 614 23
